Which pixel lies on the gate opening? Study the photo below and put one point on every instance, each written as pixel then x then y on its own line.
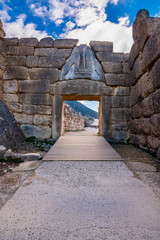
pixel 87 116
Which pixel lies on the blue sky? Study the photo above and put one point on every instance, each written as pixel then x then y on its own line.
pixel 86 20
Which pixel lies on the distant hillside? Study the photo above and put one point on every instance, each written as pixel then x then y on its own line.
pixel 85 111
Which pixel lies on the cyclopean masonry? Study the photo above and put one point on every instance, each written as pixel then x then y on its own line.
pixel 38 76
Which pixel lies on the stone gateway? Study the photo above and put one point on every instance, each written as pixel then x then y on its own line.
pixel 36 77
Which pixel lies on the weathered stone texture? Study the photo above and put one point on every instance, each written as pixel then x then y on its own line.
pixel 81 86
pixel 120 102
pixel 32 61
pixel 10 86
pixel 44 74
pixel 23 118
pixel 12 98
pixel 73 121
pixel 65 43
pixel 37 109
pixel 121 91
pixel 53 62
pixel 112 67
pixel 36 99
pixel 20 50
pixel 118 80
pixel 120 115
pixel 10 133
pixel 15 107
pixel 11 41
pixel 40 132
pixel 16 60
pixel 14 72
pixel 110 57
pixel 145 94
pixel 28 42
pixel 99 46
pixel 42 120
pixel 53 52
pixel 46 42
pixel 34 86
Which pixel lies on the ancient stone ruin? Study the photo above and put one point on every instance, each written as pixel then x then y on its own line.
pixel 36 77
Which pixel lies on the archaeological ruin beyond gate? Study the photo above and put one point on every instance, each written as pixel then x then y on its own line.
pixel 36 77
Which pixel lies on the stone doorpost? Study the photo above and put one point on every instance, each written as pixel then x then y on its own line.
pixel 106 116
pixel 57 116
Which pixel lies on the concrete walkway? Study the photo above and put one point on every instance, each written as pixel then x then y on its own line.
pixel 82 146
pixel 81 200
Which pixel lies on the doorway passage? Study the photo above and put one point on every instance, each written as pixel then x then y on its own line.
pixel 82 119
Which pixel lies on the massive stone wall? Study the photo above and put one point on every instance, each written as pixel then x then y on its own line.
pixel 145 93
pixel 32 78
pixel 73 121
pixel 2 57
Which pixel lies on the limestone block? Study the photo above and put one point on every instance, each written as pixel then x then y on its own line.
pixel 120 115
pixel 99 46
pixel 153 142
pixel 37 109
pixel 81 87
pixel 110 57
pixel 15 107
pixel 118 79
pixel 1 73
pixel 14 72
pixel 155 74
pixel 2 62
pixel 152 50
pixel 120 102
pixel 11 41
pixel 34 86
pixel 34 99
pixel 40 132
pixel 112 67
pixel 145 124
pixel 135 96
pixel 46 42
pixel 124 126
pixel 147 106
pixel 42 120
pixel 16 60
pixel 126 57
pixel 2 151
pixel 20 50
pixel 106 115
pixel 44 74
pixel 23 118
pixel 121 91
pixel 140 140
pixel 158 153
pixel 10 86
pixel 47 52
pixel 126 68
pixel 12 50
pixel 145 85
pixel 32 61
pixel 53 62
pixel 12 98
pixel 120 135
pixel 138 70
pixel 156 101
pixel 33 42
pixel 136 127
pixel 155 125
pixel 65 43
pixel 57 116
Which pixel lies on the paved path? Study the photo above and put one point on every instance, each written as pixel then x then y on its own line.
pixel 81 200
pixel 82 146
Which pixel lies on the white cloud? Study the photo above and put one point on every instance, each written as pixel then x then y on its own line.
pixel 59 22
pixel 4 15
pixel 19 29
pixel 120 34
